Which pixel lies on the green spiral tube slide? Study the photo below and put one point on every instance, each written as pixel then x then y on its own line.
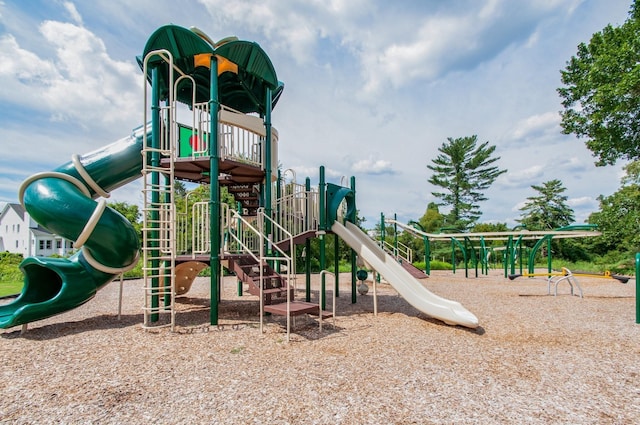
pixel 62 201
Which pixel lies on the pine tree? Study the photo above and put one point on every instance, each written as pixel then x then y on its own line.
pixel 548 210
pixel 464 170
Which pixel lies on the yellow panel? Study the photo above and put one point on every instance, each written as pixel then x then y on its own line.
pixel 224 65
pixel 203 59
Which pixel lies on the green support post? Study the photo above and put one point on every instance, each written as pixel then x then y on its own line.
pixel 239 227
pixel 307 245
pixel 214 193
pixel 549 255
pixel 166 284
pixel 321 234
pixel 395 235
pixel 637 287
pixel 155 196
pixel 427 255
pixel 354 286
pixel 336 265
pixel 506 260
pixel 453 256
pixel 267 169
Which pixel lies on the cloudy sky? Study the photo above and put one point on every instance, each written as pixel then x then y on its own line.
pixel 372 88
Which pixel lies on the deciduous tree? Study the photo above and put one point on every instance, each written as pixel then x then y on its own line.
pixel 601 93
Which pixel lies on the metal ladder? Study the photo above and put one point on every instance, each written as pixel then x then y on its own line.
pixel 159 215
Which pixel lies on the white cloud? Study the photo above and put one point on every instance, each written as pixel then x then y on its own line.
pixel 537 126
pixel 582 202
pixel 73 12
pixel 372 166
pixel 573 164
pixel 521 178
pixel 81 83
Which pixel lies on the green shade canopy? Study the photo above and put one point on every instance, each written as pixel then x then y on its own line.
pixel 244 72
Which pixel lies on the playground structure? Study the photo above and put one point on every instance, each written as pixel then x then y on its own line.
pixel 226 92
pixel 475 250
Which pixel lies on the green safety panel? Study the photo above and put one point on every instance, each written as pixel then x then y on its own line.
pixel 187 141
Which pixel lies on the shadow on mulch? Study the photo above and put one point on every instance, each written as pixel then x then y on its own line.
pixel 57 330
pixel 193 314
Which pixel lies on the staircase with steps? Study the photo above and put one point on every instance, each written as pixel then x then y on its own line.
pixel 247 269
pixel 246 195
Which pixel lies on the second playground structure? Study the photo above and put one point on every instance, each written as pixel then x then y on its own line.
pixel 207 121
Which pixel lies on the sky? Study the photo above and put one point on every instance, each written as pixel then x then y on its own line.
pixel 372 89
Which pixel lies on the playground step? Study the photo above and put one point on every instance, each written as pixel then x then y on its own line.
pixel 246 195
pixel 296 308
pixel 247 269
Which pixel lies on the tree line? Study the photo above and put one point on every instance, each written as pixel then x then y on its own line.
pixel 600 96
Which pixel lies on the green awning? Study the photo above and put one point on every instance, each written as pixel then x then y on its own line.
pixel 242 83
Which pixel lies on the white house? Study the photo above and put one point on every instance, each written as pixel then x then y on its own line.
pixel 21 235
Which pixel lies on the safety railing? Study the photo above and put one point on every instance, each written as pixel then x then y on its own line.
pixel 402 251
pixel 240 136
pixel 297 212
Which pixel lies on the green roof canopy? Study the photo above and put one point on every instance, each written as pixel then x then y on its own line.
pixel 242 81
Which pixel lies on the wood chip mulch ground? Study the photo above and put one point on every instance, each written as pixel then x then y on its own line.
pixel 535 359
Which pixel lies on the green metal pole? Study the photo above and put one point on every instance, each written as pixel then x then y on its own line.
pixel 427 255
pixel 466 259
pixel 322 232
pixel 506 260
pixel 214 192
pixel 354 286
pixel 549 255
pixel 637 287
pixel 395 235
pixel 453 255
pixel 155 195
pixel 307 244
pixel 336 265
pixel 520 254
pixel 267 167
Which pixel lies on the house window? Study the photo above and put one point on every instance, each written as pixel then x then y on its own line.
pixel 48 243
pixel 17 228
pixel 41 244
pixel 58 244
pixel 16 244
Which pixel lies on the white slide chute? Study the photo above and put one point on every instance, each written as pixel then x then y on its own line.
pixel 450 312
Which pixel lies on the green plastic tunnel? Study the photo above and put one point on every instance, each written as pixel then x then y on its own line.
pixel 63 202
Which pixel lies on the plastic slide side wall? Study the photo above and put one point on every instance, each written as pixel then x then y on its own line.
pixel 62 201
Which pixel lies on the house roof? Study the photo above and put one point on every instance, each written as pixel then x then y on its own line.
pixel 19 209
pixel 41 231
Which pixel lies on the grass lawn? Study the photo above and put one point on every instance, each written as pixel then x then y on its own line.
pixel 10 288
